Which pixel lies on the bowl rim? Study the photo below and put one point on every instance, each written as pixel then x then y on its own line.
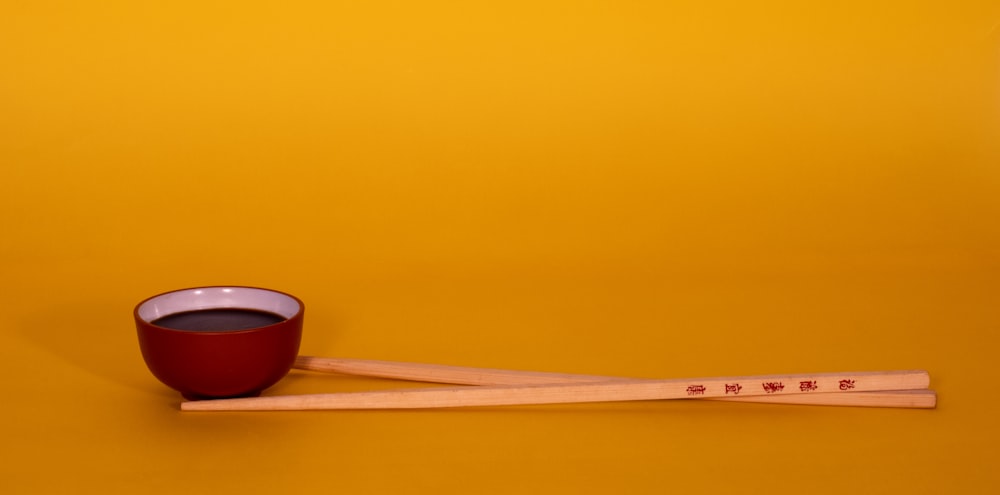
pixel 300 309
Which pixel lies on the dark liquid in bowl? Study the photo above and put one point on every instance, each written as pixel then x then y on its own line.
pixel 218 320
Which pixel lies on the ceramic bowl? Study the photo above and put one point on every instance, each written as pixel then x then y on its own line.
pixel 219 362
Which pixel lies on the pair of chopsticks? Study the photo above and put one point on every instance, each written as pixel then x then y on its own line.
pixel 496 387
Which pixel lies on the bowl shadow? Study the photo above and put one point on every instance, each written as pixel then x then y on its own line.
pixel 97 337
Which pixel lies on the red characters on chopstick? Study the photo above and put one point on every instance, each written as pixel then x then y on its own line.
pixel 696 390
pixel 772 387
pixel 808 386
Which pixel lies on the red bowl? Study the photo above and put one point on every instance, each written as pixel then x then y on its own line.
pixel 226 363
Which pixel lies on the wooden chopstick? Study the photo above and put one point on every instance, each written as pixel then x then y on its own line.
pixel 618 390
pixel 439 373
pixel 463 375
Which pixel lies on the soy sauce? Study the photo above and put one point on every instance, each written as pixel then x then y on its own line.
pixel 218 320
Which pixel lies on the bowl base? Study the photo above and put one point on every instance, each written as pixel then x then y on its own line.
pixel 188 396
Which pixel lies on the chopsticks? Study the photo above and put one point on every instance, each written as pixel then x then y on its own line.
pixel 510 387
pixel 463 375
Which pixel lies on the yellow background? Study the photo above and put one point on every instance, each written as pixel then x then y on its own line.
pixel 658 189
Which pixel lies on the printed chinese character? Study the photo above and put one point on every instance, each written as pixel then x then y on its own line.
pixel 846 384
pixel 733 389
pixel 696 390
pixel 808 385
pixel 772 387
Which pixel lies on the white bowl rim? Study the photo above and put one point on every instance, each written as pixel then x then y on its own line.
pixel 218 297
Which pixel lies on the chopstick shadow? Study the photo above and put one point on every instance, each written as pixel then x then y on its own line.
pixel 298 382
